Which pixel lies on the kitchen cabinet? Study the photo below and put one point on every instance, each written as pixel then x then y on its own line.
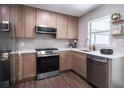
pixel 16 67
pixel 67 27
pixel 46 18
pixel 40 17
pixel 23 66
pixel 17 20
pixel 28 65
pixel 51 19
pixel 4 12
pixel 71 60
pixel 29 22
pixel 22 20
pixel 64 61
pixel 62 23
pixel 78 63
pixel 72 27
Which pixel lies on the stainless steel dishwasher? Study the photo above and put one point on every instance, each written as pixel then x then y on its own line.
pixel 97 71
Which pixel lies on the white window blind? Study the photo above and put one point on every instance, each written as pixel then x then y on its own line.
pixel 99 31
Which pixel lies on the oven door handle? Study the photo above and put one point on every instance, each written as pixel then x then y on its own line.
pixel 48 55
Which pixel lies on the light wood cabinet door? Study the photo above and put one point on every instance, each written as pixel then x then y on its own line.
pixel 72 27
pixel 16 67
pixel 4 12
pixel 28 65
pixel 40 17
pixel 64 61
pixel 22 21
pixel 62 31
pixel 29 22
pixel 51 19
pixel 17 19
pixel 79 64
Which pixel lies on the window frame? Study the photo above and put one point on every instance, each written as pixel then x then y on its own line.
pixel 89 30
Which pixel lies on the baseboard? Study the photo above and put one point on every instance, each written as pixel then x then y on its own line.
pixel 64 71
pixel 26 79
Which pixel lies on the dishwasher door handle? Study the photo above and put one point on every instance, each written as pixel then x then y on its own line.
pixel 98 60
pixel 104 60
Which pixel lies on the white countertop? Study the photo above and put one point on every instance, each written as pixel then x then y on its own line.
pixel 66 49
pixel 23 51
pixel 96 53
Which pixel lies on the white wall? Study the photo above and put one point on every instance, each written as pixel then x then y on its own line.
pixel 103 10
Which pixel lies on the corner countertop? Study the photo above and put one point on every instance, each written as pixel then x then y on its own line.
pixel 95 53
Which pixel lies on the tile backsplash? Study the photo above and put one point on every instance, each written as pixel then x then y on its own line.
pixel 41 41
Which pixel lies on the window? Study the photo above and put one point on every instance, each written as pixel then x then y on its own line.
pixel 99 31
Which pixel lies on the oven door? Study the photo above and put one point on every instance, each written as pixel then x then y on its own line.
pixel 47 64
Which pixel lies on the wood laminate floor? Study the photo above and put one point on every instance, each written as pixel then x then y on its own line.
pixel 64 80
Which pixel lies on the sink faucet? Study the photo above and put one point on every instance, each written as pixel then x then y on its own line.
pixel 87 43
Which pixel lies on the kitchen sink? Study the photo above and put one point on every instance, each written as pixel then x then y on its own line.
pixel 85 50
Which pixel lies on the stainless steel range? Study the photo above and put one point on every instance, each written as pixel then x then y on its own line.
pixel 47 62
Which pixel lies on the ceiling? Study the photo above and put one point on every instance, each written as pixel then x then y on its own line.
pixel 69 9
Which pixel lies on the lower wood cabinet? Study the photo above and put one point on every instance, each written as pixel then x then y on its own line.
pixel 28 65
pixel 23 66
pixel 15 67
pixel 65 63
pixel 79 63
pixel 75 61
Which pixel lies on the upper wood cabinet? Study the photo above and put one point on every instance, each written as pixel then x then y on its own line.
pixel 23 19
pixel 67 27
pixel 51 19
pixel 46 18
pixel 62 24
pixel 29 22
pixel 17 20
pixel 4 12
pixel 72 27
pixel 40 17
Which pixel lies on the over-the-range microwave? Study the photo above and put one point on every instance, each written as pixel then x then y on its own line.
pixel 45 30
pixel 4 26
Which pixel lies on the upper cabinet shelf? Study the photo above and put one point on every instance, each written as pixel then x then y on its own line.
pixel 118 21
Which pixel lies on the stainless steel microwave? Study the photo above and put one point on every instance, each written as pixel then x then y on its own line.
pixel 4 26
pixel 45 30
